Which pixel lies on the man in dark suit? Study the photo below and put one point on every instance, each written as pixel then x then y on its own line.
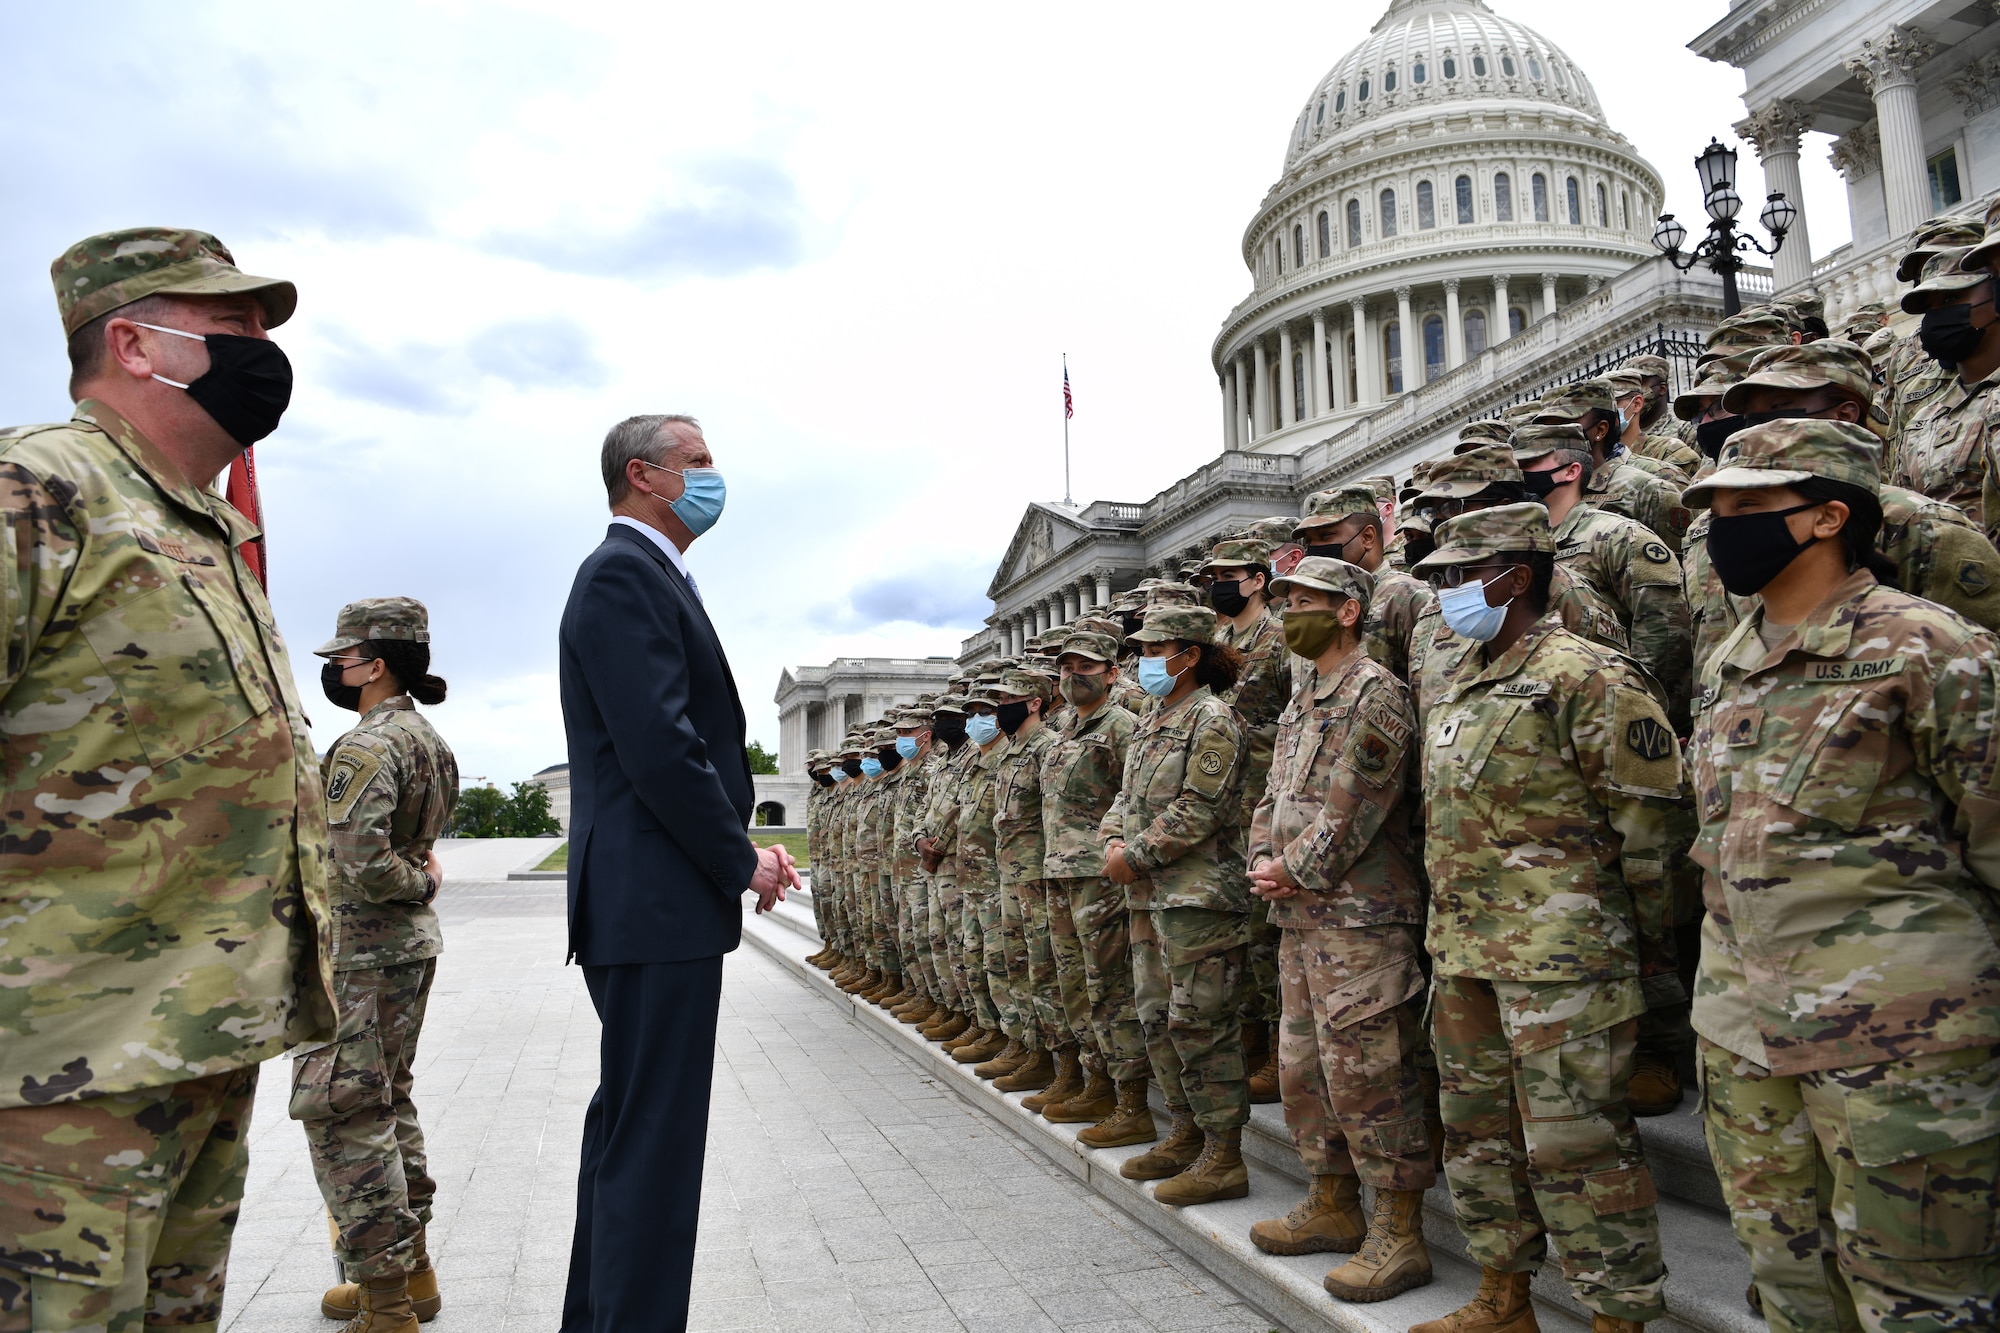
pixel 660 796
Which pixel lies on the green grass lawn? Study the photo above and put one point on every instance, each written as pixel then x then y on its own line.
pixel 795 843
pixel 557 859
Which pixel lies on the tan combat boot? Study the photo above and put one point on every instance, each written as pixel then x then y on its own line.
pixel 863 981
pixel 989 1044
pixel 1183 1144
pixel 1656 1084
pixel 1611 1323
pixel 1393 1259
pixel 1095 1101
pixel 944 1025
pixel 890 993
pixel 971 1033
pixel 1328 1220
pixel 1218 1173
pixel 383 1306
pixel 1500 1306
pixel 1030 1075
pixel 1011 1055
pixel 1068 1080
pixel 1130 1122
pixel 344 1301
pixel 1264 1079
pixel 922 1011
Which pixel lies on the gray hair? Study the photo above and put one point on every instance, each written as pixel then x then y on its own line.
pixel 645 438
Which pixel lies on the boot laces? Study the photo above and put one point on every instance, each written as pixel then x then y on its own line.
pixel 1375 1246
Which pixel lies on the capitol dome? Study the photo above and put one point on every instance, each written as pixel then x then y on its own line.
pixel 1449 183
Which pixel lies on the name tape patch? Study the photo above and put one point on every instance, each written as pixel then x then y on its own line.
pixel 1872 669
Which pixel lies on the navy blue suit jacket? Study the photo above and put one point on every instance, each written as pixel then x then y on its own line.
pixel 660 790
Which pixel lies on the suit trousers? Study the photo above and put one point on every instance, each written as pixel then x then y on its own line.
pixel 638 1190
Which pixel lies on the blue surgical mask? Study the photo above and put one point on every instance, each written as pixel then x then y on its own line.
pixel 1154 678
pixel 1466 612
pixel 980 729
pixel 906 746
pixel 1622 419
pixel 702 499
pixel 871 767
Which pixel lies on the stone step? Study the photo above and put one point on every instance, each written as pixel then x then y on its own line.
pixel 1707 1270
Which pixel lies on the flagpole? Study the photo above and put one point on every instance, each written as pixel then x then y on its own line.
pixel 1066 411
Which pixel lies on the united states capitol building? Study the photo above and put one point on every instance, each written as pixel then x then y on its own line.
pixel 1457 227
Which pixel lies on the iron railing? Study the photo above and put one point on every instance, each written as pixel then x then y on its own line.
pixel 1679 347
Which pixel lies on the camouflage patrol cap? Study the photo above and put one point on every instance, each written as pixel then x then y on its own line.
pixel 102 272
pixel 1828 363
pixel 953 704
pixel 1250 554
pixel 1863 321
pixel 378 618
pixel 1624 382
pixel 1326 508
pixel 1411 522
pixel 1467 474
pixel 1093 644
pixel 1329 575
pixel 1650 366
pixel 1751 331
pixel 1711 382
pixel 1172 594
pixel 1420 476
pixel 1092 624
pixel 1488 430
pixel 1568 402
pixel 1485 533
pixel 1023 684
pixel 1520 412
pixel 1937 235
pixel 1273 532
pixel 1945 274
pixel 913 718
pixel 1190 568
pixel 1791 450
pixel 1384 487
pixel 852 747
pixel 1532 442
pixel 1187 624
pixel 815 757
pixel 1800 308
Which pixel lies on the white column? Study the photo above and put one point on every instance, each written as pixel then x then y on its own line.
pixel 1366 377
pixel 1041 612
pixel 1409 342
pixel 1228 411
pixel 1242 400
pixel 1887 67
pixel 1320 404
pixel 1501 327
pixel 1454 331
pixel 1084 587
pixel 1261 404
pixel 1548 294
pixel 1288 406
pixel 1056 618
pixel 1775 131
pixel 1069 606
pixel 1103 588
pixel 1341 398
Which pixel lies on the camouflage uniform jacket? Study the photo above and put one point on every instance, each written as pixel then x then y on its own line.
pixel 1258 697
pixel 1393 612
pixel 1179 804
pixel 1335 812
pixel 1081 770
pixel 816 800
pixel 866 849
pixel 1017 806
pixel 1623 486
pixel 1435 652
pixel 1942 449
pixel 835 845
pixel 1909 379
pixel 391 785
pixel 1555 807
pixel 165 882
pixel 1850 831
pixel 908 800
pixel 1632 572
pixel 978 856
pixel 1671 449
pixel 940 818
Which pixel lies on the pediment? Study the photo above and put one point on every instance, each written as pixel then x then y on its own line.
pixel 1045 531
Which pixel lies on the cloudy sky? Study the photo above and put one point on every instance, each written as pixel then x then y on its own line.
pixel 854 240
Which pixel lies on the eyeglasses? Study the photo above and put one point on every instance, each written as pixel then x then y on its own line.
pixel 1455 576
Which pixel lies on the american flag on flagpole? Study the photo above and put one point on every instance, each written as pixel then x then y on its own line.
pixel 1069 403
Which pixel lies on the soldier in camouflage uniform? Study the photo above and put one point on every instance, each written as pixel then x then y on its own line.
pixel 165 884
pixel 865 974
pixel 1172 838
pixel 391 785
pixel 1905 376
pixel 1020 698
pixel 1661 436
pixel 1332 850
pixel 864 848
pixel 1849 993
pixel 937 850
pixel 1345 524
pixel 979 880
pixel 1669 460
pixel 1553 781
pixel 1941 450
pixel 913 777
pixel 1640 488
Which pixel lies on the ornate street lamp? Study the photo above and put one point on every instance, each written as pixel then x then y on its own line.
pixel 1723 247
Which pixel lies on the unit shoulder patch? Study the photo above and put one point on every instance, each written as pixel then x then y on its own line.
pixel 348 774
pixel 1644 759
pixel 1656 552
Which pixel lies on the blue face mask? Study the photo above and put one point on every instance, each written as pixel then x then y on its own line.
pixel 871 767
pixel 1622 419
pixel 906 746
pixel 980 729
pixel 1154 678
pixel 1466 612
pixel 702 499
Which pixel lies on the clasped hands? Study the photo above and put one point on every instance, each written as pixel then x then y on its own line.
pixel 776 872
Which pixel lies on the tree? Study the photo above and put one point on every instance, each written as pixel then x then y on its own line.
pixel 480 813
pixel 529 814
pixel 762 760
pixel 483 812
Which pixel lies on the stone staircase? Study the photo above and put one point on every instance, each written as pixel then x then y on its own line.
pixel 1707 1273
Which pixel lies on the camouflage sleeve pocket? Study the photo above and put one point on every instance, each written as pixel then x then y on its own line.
pixel 1645 758
pixel 340 1077
pixel 58 1227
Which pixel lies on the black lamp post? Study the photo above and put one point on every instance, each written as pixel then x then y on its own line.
pixel 1722 249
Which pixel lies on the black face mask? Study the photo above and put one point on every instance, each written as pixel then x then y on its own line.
pixel 1538 485
pixel 337 694
pixel 1132 624
pixel 1948 335
pixel 1749 550
pixel 889 759
pixel 950 730
pixel 852 767
pixel 1011 716
pixel 1328 551
pixel 1710 435
pixel 246 388
pixel 1227 598
pixel 823 779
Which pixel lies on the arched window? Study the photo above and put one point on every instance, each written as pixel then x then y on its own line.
pixel 1388 212
pixel 1426 206
pixel 1353 222
pixel 1392 355
pixel 1540 186
pixel 1389 80
pixel 1517 320
pixel 1325 234
pixel 1479 66
pixel 1555 68
pixel 1450 68
pixel 1625 210
pixel 770 815
pixel 1361 93
pixel 1319 117
pixel 1417 72
pixel 1507 65
pixel 1603 209
pixel 1298 386
pixel 1503 197
pixel 1340 101
pixel 1462 190
pixel 1475 332
pixel 1298 246
pixel 1571 196
pixel 1534 69
pixel 1433 347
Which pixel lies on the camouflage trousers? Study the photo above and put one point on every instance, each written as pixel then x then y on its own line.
pixel 1066 956
pixel 1044 992
pixel 116 1212
pixel 1348 1040
pixel 353 1095
pixel 942 922
pixel 1187 975
pixel 913 933
pixel 830 907
pixel 982 947
pixel 1541 1150
pixel 882 924
pixel 1865 1196
pixel 1260 966
pixel 1013 952
pixel 1104 937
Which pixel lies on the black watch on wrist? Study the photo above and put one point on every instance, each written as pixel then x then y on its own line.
pixel 430 880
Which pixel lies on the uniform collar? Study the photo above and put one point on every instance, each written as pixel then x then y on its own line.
pixel 1573 520
pixel 1964 391
pixel 1326 685
pixel 1828 631
pixel 1510 662
pixel 162 472
pixel 395 703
